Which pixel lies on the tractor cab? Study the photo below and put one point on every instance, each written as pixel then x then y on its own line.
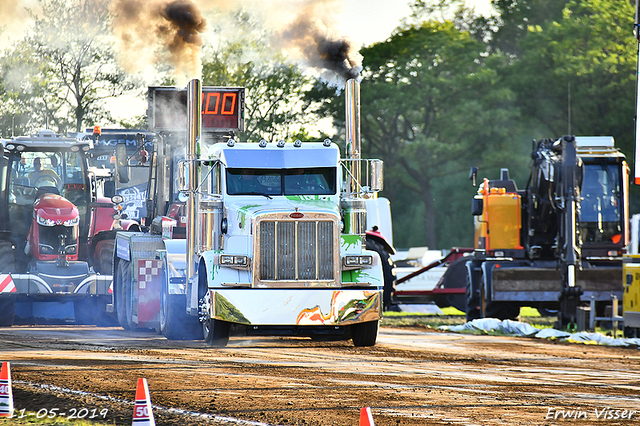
pixel 48 194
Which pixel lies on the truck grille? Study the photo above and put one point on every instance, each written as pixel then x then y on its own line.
pixel 300 250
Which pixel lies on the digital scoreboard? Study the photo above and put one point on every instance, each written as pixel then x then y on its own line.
pixel 222 109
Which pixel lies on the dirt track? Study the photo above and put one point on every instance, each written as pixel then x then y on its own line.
pixel 411 377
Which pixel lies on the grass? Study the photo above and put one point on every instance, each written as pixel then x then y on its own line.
pixel 33 420
pixel 452 316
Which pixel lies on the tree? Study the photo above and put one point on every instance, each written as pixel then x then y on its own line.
pixel 431 107
pixel 275 87
pixel 68 65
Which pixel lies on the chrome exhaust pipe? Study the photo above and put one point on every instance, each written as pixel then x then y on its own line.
pixel 352 132
pixel 355 212
pixel 194 127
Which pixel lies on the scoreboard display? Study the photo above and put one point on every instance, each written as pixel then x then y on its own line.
pixel 222 109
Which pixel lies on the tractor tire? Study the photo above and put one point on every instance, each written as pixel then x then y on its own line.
pixel 364 334
pixel 7 258
pixel 473 300
pixel 499 310
pixel 175 324
pixel 7 266
pixel 456 277
pixel 85 311
pixel 122 293
pixel 7 311
pixel 104 258
pixel 216 333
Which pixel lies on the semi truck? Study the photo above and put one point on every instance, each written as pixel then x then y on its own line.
pixel 55 224
pixel 256 238
pixel 559 242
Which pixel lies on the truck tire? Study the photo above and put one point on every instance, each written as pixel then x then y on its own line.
pixel 175 324
pixel 216 333
pixel 364 334
pixel 8 266
pixel 122 292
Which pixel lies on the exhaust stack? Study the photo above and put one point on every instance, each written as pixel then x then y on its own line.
pixel 194 126
pixel 355 212
pixel 352 136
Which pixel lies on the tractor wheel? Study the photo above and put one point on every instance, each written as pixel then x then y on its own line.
pixel 7 311
pixel 364 334
pixel 7 259
pixel 499 310
pixel 175 324
pixel 85 311
pixel 104 258
pixel 456 277
pixel 122 291
pixel 7 266
pixel 216 333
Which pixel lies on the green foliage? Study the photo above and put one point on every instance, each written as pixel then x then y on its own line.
pixel 60 72
pixel 432 106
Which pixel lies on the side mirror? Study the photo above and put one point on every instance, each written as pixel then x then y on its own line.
pixel 376 178
pixel 122 163
pixel 109 188
pixel 473 175
pixel 477 206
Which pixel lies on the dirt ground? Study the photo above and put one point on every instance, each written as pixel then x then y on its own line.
pixel 412 376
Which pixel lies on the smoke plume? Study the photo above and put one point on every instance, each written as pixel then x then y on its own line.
pixel 155 31
pixel 311 35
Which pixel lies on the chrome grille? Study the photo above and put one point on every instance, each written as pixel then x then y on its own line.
pixel 301 250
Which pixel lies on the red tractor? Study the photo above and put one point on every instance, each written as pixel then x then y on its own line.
pixel 54 231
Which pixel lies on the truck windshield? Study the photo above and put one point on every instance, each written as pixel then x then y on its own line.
pixel 600 209
pixel 312 181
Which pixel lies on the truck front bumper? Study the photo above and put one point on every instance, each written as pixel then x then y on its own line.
pixel 296 306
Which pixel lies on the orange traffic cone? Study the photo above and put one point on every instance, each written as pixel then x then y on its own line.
pixel 366 418
pixel 6 395
pixel 142 413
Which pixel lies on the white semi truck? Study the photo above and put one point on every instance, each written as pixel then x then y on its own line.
pixel 262 238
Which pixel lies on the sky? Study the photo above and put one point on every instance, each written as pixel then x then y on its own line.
pixel 362 22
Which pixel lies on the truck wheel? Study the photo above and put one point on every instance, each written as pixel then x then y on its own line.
pixel 7 311
pixel 216 333
pixel 122 290
pixel 364 334
pixel 175 324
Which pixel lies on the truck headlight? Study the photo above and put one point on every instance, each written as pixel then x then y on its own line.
pixel 358 260
pixel 233 260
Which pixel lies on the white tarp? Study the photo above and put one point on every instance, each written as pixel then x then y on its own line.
pixel 515 328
